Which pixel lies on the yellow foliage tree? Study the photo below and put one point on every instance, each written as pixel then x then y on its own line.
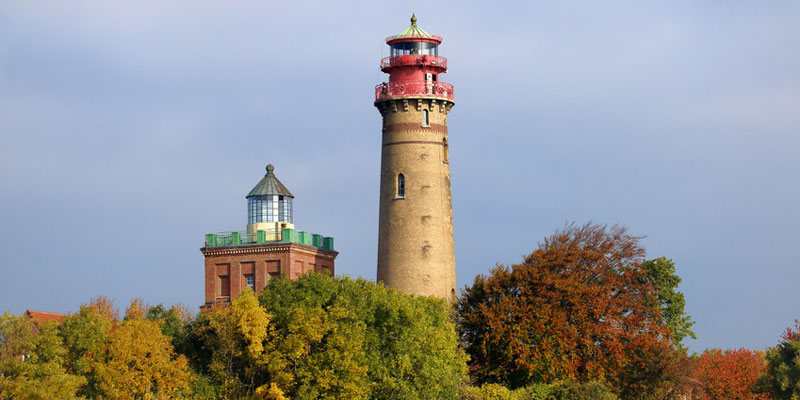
pixel 104 307
pixel 140 364
pixel 269 392
pixel 252 321
pixel 136 310
pixel 239 333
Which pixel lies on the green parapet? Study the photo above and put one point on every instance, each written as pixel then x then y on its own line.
pixel 304 237
pixel 287 235
pixel 236 238
pixel 316 240
pixel 327 243
pixel 211 240
pixel 261 236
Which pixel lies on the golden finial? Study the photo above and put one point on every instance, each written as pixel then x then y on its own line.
pixel 413 19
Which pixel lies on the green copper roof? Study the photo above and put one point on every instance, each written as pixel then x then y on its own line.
pixel 269 185
pixel 413 31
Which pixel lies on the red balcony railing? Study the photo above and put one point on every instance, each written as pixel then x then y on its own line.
pixel 414 88
pixel 413 59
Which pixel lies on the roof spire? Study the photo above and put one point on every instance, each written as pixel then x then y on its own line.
pixel 270 168
pixel 413 19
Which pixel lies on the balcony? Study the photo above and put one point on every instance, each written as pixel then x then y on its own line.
pixel 231 239
pixel 414 89
pixel 425 60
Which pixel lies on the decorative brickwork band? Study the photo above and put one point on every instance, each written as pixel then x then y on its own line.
pixel 410 126
pixel 414 142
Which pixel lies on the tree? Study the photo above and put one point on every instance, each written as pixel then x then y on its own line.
pixel 573 309
pixel 730 374
pixel 85 336
pixel 235 336
pixel 32 364
pixel 140 363
pixel 661 274
pixel 654 370
pixel 783 363
pixel 352 339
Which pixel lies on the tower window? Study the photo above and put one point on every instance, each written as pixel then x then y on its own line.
pixel 425 119
pixel 445 152
pixel 401 186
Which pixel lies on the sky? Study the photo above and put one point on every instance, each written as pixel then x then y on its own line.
pixel 128 130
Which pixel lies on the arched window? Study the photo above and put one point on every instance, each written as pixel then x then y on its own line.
pixel 401 185
pixel 425 121
pixel 445 152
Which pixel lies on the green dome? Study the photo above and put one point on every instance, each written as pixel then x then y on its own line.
pixel 269 185
pixel 414 32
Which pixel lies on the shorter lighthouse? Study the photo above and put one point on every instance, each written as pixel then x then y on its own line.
pixel 269 247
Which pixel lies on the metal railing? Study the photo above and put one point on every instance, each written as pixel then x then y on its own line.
pixel 413 59
pixel 242 238
pixel 413 88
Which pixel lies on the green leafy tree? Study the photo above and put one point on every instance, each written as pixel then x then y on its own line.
pixel 170 320
pixel 783 365
pixel 661 274
pixel 352 339
pixel 32 361
pixel 571 390
pixel 85 336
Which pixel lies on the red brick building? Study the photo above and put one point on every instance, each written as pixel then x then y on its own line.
pixel 269 247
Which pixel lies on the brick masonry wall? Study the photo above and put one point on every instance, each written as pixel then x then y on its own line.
pixel 263 261
pixel 415 236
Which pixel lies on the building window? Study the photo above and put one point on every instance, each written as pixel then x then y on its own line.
pixel 250 281
pixel 445 152
pixel 425 119
pixel 401 185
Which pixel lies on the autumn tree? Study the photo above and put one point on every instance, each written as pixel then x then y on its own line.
pixel 235 337
pixel 32 361
pixel 730 374
pixel 574 308
pixel 139 363
pixel 783 363
pixel 654 369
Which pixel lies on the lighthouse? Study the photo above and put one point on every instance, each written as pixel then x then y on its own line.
pixel 415 236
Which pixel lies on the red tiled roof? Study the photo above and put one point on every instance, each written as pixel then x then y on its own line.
pixel 40 317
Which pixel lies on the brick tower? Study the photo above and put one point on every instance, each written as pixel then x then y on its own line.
pixel 269 247
pixel 415 235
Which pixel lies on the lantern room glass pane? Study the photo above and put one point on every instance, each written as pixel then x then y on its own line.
pixel 272 208
pixel 402 48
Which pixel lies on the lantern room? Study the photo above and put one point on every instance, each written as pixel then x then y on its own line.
pixel 414 65
pixel 269 205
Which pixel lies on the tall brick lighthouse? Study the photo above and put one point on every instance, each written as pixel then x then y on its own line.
pixel 415 236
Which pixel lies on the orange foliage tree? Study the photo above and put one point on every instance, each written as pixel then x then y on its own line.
pixel 575 308
pixel 731 374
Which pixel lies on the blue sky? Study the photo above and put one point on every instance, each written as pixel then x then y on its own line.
pixel 128 131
